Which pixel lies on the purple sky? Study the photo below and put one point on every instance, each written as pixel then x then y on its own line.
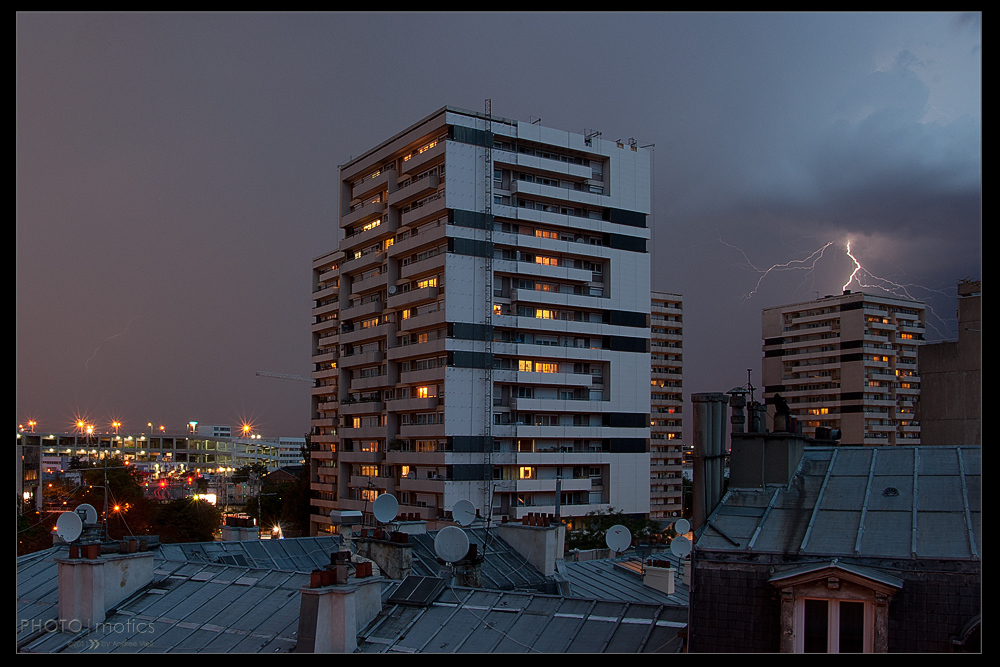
pixel 176 174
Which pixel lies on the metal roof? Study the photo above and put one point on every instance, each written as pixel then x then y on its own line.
pixel 621 579
pixel 466 620
pixel 503 567
pixel 878 502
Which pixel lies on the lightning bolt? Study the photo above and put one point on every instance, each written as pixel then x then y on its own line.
pixel 86 365
pixel 807 264
pixel 894 288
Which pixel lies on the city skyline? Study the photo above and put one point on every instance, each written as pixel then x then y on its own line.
pixel 176 173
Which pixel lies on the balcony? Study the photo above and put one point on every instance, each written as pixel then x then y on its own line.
pixel 425 211
pixel 412 297
pixel 417 163
pixel 362 310
pixel 433 318
pixel 426 265
pixel 386 180
pixel 362 359
pixel 421 431
pixel 363 214
pixel 377 332
pixel 414 190
pixel 414 404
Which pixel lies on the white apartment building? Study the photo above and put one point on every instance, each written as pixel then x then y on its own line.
pixel 666 496
pixel 847 362
pixel 482 332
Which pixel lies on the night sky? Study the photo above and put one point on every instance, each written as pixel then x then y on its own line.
pixel 177 173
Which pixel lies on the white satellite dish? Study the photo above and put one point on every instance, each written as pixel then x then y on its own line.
pixel 680 546
pixel 464 512
pixel 682 526
pixel 87 512
pixel 385 508
pixel 618 538
pixel 451 544
pixel 69 526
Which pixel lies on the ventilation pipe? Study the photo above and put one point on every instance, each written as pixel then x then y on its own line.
pixel 709 451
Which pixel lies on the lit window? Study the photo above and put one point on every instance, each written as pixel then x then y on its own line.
pixel 546 314
pixel 525 365
pixel 526 472
pixel 422 392
pixel 547 261
pixel 541 233
pixel 546 367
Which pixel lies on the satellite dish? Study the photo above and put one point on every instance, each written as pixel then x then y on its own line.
pixel 451 544
pixel 385 508
pixel 87 513
pixel 618 538
pixel 680 546
pixel 643 549
pixel 464 512
pixel 392 289
pixel 69 526
pixel 682 526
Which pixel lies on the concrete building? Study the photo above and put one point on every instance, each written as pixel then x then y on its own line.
pixel 847 362
pixel 950 410
pixel 482 332
pixel 666 406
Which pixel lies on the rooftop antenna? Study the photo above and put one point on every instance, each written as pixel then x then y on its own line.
pixel 750 386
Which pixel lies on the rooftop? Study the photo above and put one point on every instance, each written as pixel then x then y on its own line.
pixel 917 502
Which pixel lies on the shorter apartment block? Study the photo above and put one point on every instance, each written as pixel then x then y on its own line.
pixel 847 362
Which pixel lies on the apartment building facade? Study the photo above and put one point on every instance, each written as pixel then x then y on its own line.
pixel 847 362
pixel 666 497
pixel 482 332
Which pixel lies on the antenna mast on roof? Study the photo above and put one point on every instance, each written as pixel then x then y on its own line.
pixel 488 323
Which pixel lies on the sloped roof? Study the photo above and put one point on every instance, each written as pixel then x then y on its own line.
pixel 503 567
pixel 879 502
pixel 621 579
pixel 467 620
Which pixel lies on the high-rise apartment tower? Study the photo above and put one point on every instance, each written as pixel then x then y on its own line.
pixel 482 332
pixel 666 496
pixel 847 362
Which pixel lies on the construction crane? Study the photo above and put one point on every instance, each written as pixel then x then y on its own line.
pixel 284 376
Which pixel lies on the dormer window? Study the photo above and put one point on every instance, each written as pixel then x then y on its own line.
pixel 835 608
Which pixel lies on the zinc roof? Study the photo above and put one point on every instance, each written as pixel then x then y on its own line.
pixel 879 502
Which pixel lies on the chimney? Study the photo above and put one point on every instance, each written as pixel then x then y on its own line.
pixel 89 586
pixel 541 544
pixel 709 451
pixel 393 555
pixel 330 617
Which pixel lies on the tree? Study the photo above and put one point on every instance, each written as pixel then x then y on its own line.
pixel 187 520
pixel 589 531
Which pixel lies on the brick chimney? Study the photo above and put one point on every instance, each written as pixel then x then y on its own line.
pixel 330 617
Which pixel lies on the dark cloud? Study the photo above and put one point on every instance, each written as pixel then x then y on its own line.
pixel 181 169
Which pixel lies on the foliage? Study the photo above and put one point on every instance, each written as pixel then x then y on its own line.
pixel 589 531
pixel 243 474
pixel 187 520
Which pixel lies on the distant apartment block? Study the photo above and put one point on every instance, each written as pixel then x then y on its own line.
pixel 483 330
pixel 666 404
pixel 847 362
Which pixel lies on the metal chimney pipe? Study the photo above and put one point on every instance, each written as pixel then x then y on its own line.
pixel 709 433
